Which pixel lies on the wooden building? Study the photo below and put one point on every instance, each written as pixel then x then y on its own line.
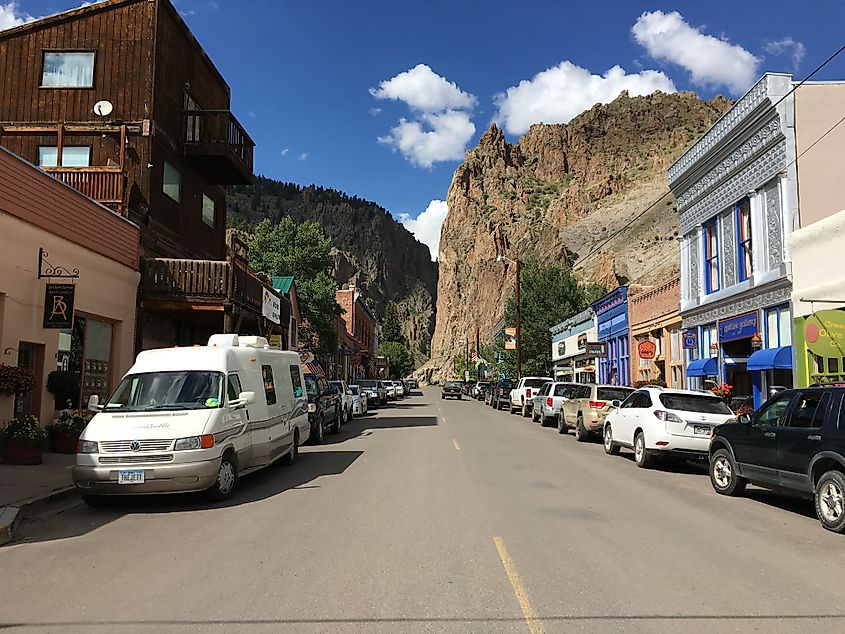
pixel 119 100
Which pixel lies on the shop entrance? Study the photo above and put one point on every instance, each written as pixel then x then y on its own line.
pixel 83 363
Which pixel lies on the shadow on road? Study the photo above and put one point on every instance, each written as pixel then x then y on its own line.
pixel 364 426
pixel 258 486
pixel 797 505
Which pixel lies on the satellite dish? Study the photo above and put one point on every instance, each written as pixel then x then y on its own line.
pixel 103 108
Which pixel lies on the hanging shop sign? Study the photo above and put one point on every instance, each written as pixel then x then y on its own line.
pixel 597 349
pixel 742 327
pixel 58 306
pixel 690 339
pixel 510 338
pixel 647 349
pixel 271 306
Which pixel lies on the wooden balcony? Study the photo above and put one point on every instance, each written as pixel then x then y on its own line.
pixel 217 145
pixel 200 284
pixel 103 184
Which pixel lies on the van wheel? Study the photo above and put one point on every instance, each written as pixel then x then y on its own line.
pixel 227 479
pixel 290 457
pixel 830 501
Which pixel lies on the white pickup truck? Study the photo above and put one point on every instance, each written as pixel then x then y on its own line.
pixel 523 393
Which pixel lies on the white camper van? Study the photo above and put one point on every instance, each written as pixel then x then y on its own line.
pixel 193 419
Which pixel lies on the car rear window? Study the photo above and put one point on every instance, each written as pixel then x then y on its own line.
pixel 567 391
pixel 507 385
pixel 612 393
pixel 695 403
pixel 535 382
pixel 452 384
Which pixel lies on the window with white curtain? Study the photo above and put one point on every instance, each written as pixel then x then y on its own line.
pixel 72 156
pixel 68 70
pixel 172 182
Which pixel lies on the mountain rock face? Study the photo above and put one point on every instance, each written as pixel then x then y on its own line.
pixel 371 249
pixel 594 190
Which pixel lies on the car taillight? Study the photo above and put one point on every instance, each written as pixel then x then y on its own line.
pixel 549 401
pixel 598 404
pixel 528 393
pixel 668 417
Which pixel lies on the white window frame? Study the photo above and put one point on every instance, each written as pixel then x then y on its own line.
pixel 46 82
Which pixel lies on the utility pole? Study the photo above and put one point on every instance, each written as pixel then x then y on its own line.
pixel 466 359
pixel 518 324
pixel 478 352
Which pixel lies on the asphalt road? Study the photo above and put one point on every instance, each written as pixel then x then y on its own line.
pixel 434 516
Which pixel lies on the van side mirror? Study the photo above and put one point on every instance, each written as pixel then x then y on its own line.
pixel 616 403
pixel 94 403
pixel 244 399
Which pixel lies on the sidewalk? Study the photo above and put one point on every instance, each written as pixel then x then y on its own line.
pixel 20 486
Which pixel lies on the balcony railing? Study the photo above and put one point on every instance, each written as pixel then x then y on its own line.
pixel 218 144
pixel 103 184
pixel 202 282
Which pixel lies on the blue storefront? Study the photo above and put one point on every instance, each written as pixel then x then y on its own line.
pixel 612 325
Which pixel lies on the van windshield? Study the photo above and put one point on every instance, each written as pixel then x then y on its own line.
pixel 168 391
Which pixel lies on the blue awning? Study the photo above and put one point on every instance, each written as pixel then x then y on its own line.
pixel 703 367
pixel 771 359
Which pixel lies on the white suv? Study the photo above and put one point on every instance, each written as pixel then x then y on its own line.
pixel 549 400
pixel 655 421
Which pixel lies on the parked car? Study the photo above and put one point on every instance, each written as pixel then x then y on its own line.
pixel 412 383
pixel 376 392
pixel 481 389
pixel 501 396
pixel 178 420
pixel 324 407
pixel 587 409
pixel 522 393
pixel 452 389
pixel 391 390
pixel 342 388
pixel 547 402
pixel 656 421
pixel 795 444
pixel 360 406
pixel 401 390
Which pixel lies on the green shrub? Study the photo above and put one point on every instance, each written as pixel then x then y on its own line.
pixel 25 431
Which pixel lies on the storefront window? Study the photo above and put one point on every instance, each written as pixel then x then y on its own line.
pixel 83 363
pixel 778 327
pixel 675 353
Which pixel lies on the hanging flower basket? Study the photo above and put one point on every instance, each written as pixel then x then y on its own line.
pixel 23 441
pixel 15 380
pixel 725 390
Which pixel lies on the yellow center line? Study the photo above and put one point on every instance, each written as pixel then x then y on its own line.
pixel 531 618
pixel 457 446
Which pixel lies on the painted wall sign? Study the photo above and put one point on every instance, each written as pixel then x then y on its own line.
pixel 582 341
pixel 647 349
pixel 690 339
pixel 58 306
pixel 271 306
pixel 741 327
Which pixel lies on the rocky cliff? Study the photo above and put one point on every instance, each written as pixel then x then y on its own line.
pixel 594 189
pixel 371 249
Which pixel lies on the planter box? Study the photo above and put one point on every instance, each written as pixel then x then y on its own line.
pixel 64 443
pixel 16 454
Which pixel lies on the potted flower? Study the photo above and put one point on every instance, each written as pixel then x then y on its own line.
pixel 64 433
pixel 724 390
pixel 23 441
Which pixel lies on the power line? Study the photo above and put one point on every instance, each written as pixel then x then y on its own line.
pixel 811 75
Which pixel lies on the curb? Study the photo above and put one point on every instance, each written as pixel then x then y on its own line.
pixel 11 515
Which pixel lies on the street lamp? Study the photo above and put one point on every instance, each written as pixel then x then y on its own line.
pixel 518 263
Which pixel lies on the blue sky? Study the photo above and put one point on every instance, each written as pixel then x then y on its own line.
pixel 320 84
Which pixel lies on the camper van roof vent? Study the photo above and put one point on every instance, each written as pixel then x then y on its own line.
pixel 254 342
pixel 223 341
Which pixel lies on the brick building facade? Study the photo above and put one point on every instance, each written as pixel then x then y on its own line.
pixel 656 340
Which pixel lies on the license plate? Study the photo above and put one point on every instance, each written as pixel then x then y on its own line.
pixel 701 431
pixel 130 477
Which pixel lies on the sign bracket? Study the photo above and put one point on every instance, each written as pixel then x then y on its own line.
pixel 49 271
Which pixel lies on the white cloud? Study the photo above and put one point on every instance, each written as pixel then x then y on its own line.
pixel 440 127
pixel 424 90
pixel 375 111
pixel 252 114
pixel 426 226
pixel 558 94
pixel 434 137
pixel 304 156
pixel 284 151
pixel 710 61
pixel 9 16
pixel 787 46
